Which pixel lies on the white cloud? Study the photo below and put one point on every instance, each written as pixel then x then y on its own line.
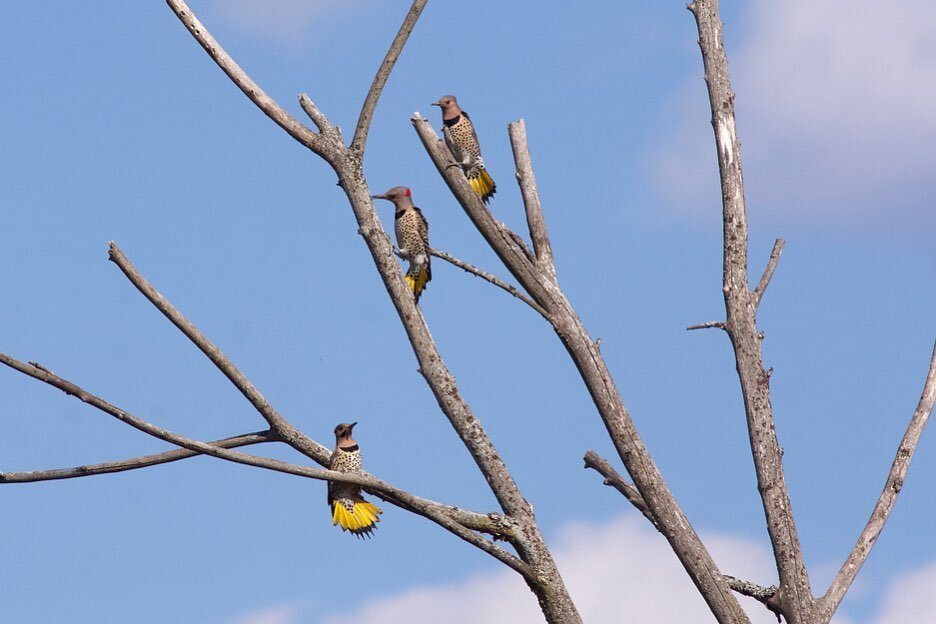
pixel 278 614
pixel 910 598
pixel 835 110
pixel 285 21
pixel 621 566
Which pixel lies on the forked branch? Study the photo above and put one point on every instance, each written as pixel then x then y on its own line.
pixel 544 289
pixel 251 89
pixel 278 424
pixel 462 523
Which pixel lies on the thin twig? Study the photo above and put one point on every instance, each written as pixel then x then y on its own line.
pixel 458 521
pixel 768 596
pixel 519 242
pixel 250 88
pixel 316 115
pixel 488 277
pixel 709 325
pixel 599 464
pixel 383 73
pixel 283 428
pixel 768 271
pixel 531 201
pixel 885 503
pixel 133 463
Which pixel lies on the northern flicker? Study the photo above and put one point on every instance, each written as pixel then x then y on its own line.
pixel 462 141
pixel 412 234
pixel 349 509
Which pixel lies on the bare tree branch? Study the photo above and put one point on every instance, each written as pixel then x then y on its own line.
pixel 741 324
pixel 768 596
pixel 768 271
pixel 531 201
pixel 885 504
pixel 134 463
pixel 487 277
pixel 383 73
pixel 540 285
pixel 285 430
pixel 251 89
pixel 519 242
pixel 599 464
pixel 318 117
pixel 460 522
pixel 709 325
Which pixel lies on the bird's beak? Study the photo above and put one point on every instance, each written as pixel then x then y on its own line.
pixel 351 426
pixel 381 196
pixel 439 104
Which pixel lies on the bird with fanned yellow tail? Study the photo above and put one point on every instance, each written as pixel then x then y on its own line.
pixel 349 509
pixel 412 234
pixel 462 141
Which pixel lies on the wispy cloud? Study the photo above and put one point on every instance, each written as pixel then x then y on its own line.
pixel 910 598
pixel 835 109
pixel 288 22
pixel 618 567
pixel 277 614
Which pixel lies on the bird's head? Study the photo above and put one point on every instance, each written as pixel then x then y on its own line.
pixel 343 433
pixel 399 195
pixel 449 106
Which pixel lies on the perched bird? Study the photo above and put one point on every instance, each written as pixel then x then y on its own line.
pixel 412 235
pixel 349 510
pixel 462 141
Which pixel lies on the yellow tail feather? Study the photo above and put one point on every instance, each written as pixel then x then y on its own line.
pixel 361 521
pixel 483 185
pixel 418 283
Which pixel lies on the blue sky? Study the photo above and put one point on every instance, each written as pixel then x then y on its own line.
pixel 116 126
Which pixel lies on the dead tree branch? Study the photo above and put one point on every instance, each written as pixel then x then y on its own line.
pixel 460 522
pixel 133 463
pixel 383 73
pixel 251 89
pixel 612 478
pixel 531 201
pixel 543 288
pixel 709 325
pixel 741 304
pixel 283 429
pixel 768 271
pixel 767 596
pixel 885 504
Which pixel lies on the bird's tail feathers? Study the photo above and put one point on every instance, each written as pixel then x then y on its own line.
pixel 483 185
pixel 417 277
pixel 361 521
